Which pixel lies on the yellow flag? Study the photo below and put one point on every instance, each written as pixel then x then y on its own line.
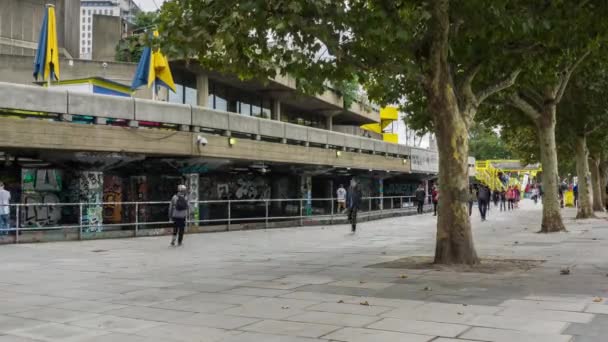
pixel 52 47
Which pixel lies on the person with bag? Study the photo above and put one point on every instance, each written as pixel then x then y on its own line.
pixel 435 199
pixel 353 202
pixel 178 212
pixel 483 200
pixel 420 197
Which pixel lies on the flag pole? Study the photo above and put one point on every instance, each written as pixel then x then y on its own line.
pixel 154 90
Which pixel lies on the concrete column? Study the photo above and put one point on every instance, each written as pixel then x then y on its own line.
pixel 329 123
pixel 381 193
pixel 276 110
pixel 202 91
pixel 306 194
pixel 192 183
pixel 89 186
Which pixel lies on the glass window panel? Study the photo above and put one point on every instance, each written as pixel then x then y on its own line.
pixel 190 96
pixel 178 96
pixel 245 108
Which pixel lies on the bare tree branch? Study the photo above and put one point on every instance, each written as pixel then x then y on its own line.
pixel 518 102
pixel 497 87
pixel 565 77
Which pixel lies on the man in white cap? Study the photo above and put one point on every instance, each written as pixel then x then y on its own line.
pixel 178 211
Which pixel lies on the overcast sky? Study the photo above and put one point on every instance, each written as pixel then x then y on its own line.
pixel 149 5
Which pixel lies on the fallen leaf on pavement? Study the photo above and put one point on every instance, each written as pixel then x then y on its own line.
pixel 365 303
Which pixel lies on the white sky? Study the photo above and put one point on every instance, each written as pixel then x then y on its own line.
pixel 149 5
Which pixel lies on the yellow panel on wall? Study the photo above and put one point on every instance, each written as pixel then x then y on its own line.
pixel 391 138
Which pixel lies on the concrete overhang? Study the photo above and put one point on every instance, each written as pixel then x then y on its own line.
pixel 283 88
pixel 20 134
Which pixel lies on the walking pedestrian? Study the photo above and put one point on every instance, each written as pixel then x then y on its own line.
pixel 483 200
pixel 341 195
pixel 420 197
pixel 435 199
pixel 495 197
pixel 353 202
pixel 535 194
pixel 472 198
pixel 5 210
pixel 178 211
pixel 503 200
pixel 575 191
pixel 510 197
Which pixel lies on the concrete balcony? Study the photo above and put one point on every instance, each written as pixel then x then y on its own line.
pixel 256 139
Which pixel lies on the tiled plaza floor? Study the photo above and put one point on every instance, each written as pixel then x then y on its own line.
pixel 310 284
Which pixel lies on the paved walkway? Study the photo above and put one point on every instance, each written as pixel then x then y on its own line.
pixel 309 284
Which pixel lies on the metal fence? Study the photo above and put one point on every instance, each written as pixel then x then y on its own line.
pixel 88 219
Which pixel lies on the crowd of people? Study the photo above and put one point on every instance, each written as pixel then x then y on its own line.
pixel 506 199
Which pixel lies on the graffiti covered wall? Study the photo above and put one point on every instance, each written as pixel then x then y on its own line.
pixel 90 192
pixel 112 192
pixel 40 186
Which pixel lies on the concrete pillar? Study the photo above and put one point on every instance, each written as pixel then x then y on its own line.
pixel 89 186
pixel 306 194
pixel 276 110
pixel 381 193
pixel 202 91
pixel 329 123
pixel 192 183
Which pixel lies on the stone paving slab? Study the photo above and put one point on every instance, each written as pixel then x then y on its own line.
pixel 520 324
pixel 371 335
pixel 54 332
pixel 419 327
pixel 499 335
pixel 554 315
pixel 355 309
pixel 546 305
pixel 299 329
pixel 307 284
pixel 331 318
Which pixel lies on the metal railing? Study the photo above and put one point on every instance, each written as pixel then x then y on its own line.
pixel 90 219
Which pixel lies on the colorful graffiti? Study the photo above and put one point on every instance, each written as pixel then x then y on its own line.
pixel 112 192
pixel 40 186
pixel 138 192
pixel 90 193
pixel 192 183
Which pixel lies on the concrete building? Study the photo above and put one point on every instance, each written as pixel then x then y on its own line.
pixel 20 22
pixel 92 11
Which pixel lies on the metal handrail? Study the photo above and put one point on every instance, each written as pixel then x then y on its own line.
pixel 302 203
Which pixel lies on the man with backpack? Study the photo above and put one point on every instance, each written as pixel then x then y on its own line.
pixel 178 212
pixel 420 197
pixel 353 202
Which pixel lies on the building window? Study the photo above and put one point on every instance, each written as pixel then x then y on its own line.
pixel 89 34
pixel 84 11
pixel 89 12
pixel 228 99
pixel 89 42
pixel 183 94
pixel 83 27
pixel 84 42
pixel 89 19
pixel 89 26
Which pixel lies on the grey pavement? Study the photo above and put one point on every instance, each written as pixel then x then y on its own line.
pixel 311 284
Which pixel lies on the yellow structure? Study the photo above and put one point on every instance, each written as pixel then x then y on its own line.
pixel 487 172
pixel 387 116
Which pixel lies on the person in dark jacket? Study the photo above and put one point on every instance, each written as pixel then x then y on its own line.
pixel 420 197
pixel 178 212
pixel 353 202
pixel 472 198
pixel 483 200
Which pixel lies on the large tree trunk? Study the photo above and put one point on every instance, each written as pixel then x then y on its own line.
pixel 454 243
pixel 584 181
pixel 595 184
pixel 552 219
pixel 604 182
